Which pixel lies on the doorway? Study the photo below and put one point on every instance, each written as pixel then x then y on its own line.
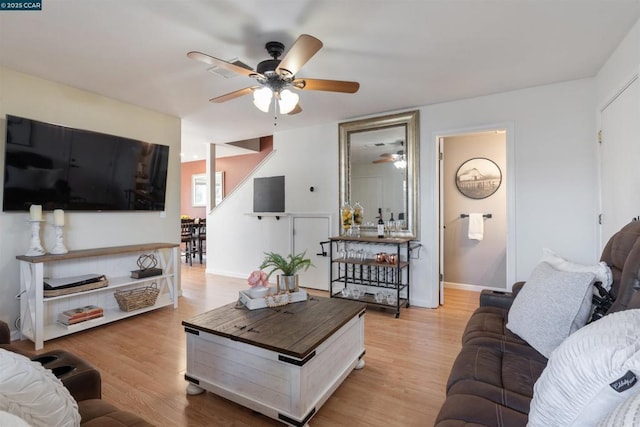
pixel 474 178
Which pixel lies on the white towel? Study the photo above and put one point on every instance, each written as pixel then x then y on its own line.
pixel 476 226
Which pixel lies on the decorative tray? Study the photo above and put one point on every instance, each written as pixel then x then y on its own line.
pixel 271 300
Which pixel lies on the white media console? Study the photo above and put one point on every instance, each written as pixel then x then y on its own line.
pixel 39 314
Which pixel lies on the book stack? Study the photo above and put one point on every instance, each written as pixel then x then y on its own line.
pixel 79 315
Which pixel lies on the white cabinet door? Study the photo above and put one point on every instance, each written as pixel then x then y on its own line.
pixel 308 232
pixel 620 152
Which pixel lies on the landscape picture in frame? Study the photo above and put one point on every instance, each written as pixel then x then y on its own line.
pixel 478 178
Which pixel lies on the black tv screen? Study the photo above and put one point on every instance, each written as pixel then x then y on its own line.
pixel 65 168
pixel 268 194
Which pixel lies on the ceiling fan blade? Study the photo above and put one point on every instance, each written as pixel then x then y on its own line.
pixel 300 52
pixel 387 160
pixel 297 109
pixel 327 85
pixel 232 95
pixel 208 59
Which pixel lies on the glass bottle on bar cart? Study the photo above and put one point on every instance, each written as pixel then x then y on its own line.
pixel 380 224
pixel 346 216
pixel 358 214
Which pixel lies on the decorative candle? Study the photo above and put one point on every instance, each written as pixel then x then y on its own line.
pixel 35 213
pixel 58 217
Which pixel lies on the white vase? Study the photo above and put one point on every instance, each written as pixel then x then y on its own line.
pixel 258 292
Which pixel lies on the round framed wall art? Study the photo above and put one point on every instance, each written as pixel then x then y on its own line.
pixel 478 178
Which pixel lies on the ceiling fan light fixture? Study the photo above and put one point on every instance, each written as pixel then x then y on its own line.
pixel 288 101
pixel 262 99
pixel 400 164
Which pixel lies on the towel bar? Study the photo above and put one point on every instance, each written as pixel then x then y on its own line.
pixel 483 215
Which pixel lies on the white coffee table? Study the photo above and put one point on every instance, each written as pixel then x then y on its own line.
pixel 281 362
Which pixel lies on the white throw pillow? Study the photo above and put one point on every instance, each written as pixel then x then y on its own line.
pixel 33 393
pixel 589 374
pixel 551 305
pixel 10 420
pixel 601 270
pixel 626 414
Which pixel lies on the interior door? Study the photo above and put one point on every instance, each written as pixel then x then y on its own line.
pixel 620 151
pixel 308 232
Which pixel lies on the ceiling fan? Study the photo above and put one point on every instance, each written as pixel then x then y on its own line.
pixel 389 157
pixel 398 159
pixel 275 77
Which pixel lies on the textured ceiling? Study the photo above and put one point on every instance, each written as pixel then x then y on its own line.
pixel 404 53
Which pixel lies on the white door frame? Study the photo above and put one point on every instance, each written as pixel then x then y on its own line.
pixel 437 262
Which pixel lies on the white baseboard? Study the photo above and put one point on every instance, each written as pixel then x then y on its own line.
pixel 474 288
pixel 226 273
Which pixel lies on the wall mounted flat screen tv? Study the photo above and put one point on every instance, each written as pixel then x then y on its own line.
pixel 73 169
pixel 268 194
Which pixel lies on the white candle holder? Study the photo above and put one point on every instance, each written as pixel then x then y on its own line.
pixel 35 247
pixel 59 247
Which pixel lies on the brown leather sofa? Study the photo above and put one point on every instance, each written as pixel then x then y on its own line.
pixel 491 381
pixel 83 382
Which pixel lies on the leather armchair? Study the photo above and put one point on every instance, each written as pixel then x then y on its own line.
pixel 83 382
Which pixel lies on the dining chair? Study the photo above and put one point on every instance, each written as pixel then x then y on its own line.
pixel 186 237
pixel 200 237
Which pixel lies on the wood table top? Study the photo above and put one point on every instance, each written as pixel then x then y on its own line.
pixel 295 329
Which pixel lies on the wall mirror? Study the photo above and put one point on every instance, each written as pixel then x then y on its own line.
pixel 379 169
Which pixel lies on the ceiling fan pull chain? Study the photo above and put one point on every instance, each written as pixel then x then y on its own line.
pixel 275 110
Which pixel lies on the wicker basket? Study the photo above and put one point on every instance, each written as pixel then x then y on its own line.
pixel 135 299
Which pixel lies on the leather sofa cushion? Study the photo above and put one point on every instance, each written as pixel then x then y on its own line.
pixel 511 366
pixel 98 413
pixel 80 377
pixel 489 322
pixel 464 410
pixel 629 286
pixel 618 249
pixel 492 393
pixel 5 333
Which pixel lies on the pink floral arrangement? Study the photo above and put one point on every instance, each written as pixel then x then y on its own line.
pixel 258 278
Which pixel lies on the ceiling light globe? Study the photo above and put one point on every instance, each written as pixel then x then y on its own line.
pixel 262 99
pixel 288 101
pixel 400 164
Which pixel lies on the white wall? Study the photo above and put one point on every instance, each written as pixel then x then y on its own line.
pixel 554 178
pixel 43 100
pixel 306 157
pixel 554 156
pixel 619 68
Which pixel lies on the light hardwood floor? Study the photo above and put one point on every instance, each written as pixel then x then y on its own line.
pixel 142 362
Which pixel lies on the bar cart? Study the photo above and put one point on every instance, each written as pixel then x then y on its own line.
pixel 371 269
